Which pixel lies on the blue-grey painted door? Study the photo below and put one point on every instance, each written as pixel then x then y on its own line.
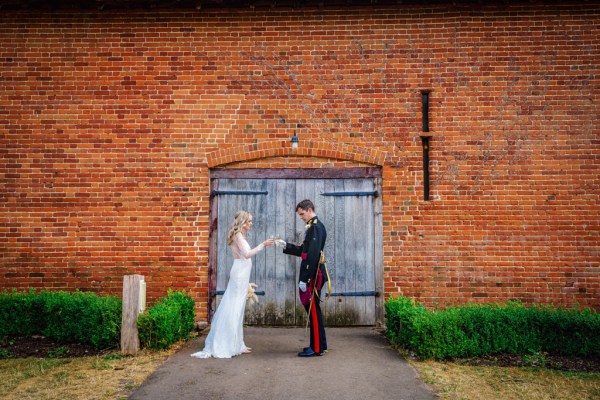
pixel 349 208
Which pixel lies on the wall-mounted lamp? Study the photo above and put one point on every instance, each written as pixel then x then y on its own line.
pixel 294 141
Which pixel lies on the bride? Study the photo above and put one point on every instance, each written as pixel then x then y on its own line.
pixel 226 336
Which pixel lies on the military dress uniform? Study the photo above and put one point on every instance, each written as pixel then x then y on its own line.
pixel 312 272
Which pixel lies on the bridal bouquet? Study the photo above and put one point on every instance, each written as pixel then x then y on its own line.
pixel 252 297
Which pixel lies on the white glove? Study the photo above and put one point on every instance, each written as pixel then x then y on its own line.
pixel 302 286
pixel 280 243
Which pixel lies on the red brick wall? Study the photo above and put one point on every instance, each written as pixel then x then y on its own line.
pixel 110 121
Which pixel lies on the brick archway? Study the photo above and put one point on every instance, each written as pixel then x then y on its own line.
pixel 278 148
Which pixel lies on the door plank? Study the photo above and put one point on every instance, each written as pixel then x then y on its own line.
pixel 287 232
pixel 365 252
pixel 340 264
pixel 328 217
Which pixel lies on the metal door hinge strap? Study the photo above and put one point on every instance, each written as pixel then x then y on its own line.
pixel 367 293
pixel 221 292
pixel 351 194
pixel 238 192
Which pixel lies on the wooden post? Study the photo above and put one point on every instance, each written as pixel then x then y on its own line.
pixel 130 342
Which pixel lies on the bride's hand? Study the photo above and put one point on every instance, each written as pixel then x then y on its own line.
pixel 268 242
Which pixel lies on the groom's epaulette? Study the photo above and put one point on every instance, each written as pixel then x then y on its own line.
pixel 310 223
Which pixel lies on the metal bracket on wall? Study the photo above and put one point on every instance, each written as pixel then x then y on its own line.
pixel 425 141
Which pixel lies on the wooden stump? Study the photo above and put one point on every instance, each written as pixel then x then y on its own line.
pixel 130 342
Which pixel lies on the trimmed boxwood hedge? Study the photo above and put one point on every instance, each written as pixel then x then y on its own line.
pixel 473 330
pixel 169 320
pixel 68 317
pixel 83 317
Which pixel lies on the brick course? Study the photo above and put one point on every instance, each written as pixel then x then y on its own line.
pixel 111 120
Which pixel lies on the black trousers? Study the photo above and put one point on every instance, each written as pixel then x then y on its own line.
pixel 318 341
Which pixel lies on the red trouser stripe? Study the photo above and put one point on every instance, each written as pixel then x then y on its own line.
pixel 315 327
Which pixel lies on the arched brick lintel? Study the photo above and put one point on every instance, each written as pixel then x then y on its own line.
pixel 278 148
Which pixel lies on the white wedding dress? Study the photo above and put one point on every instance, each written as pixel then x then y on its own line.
pixel 226 336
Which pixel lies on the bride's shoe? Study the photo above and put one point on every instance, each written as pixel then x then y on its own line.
pixel 247 350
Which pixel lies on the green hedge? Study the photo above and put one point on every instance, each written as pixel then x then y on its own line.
pixel 21 313
pixel 474 330
pixel 87 318
pixel 84 318
pixel 169 320
pixel 75 317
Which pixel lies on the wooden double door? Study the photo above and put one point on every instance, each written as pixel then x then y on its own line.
pixel 346 200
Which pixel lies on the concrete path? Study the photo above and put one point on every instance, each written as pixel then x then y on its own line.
pixel 359 365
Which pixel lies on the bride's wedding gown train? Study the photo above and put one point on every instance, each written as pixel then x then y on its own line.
pixel 226 336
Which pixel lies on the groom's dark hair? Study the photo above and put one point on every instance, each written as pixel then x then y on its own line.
pixel 305 205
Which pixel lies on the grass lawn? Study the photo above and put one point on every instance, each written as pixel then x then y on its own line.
pixel 109 376
pixel 113 376
pixel 455 381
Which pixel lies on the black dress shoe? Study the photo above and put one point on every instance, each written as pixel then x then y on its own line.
pixel 308 352
pixel 308 348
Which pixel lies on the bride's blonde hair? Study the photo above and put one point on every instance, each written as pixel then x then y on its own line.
pixel 240 219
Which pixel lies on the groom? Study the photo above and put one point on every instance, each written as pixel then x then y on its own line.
pixel 312 275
